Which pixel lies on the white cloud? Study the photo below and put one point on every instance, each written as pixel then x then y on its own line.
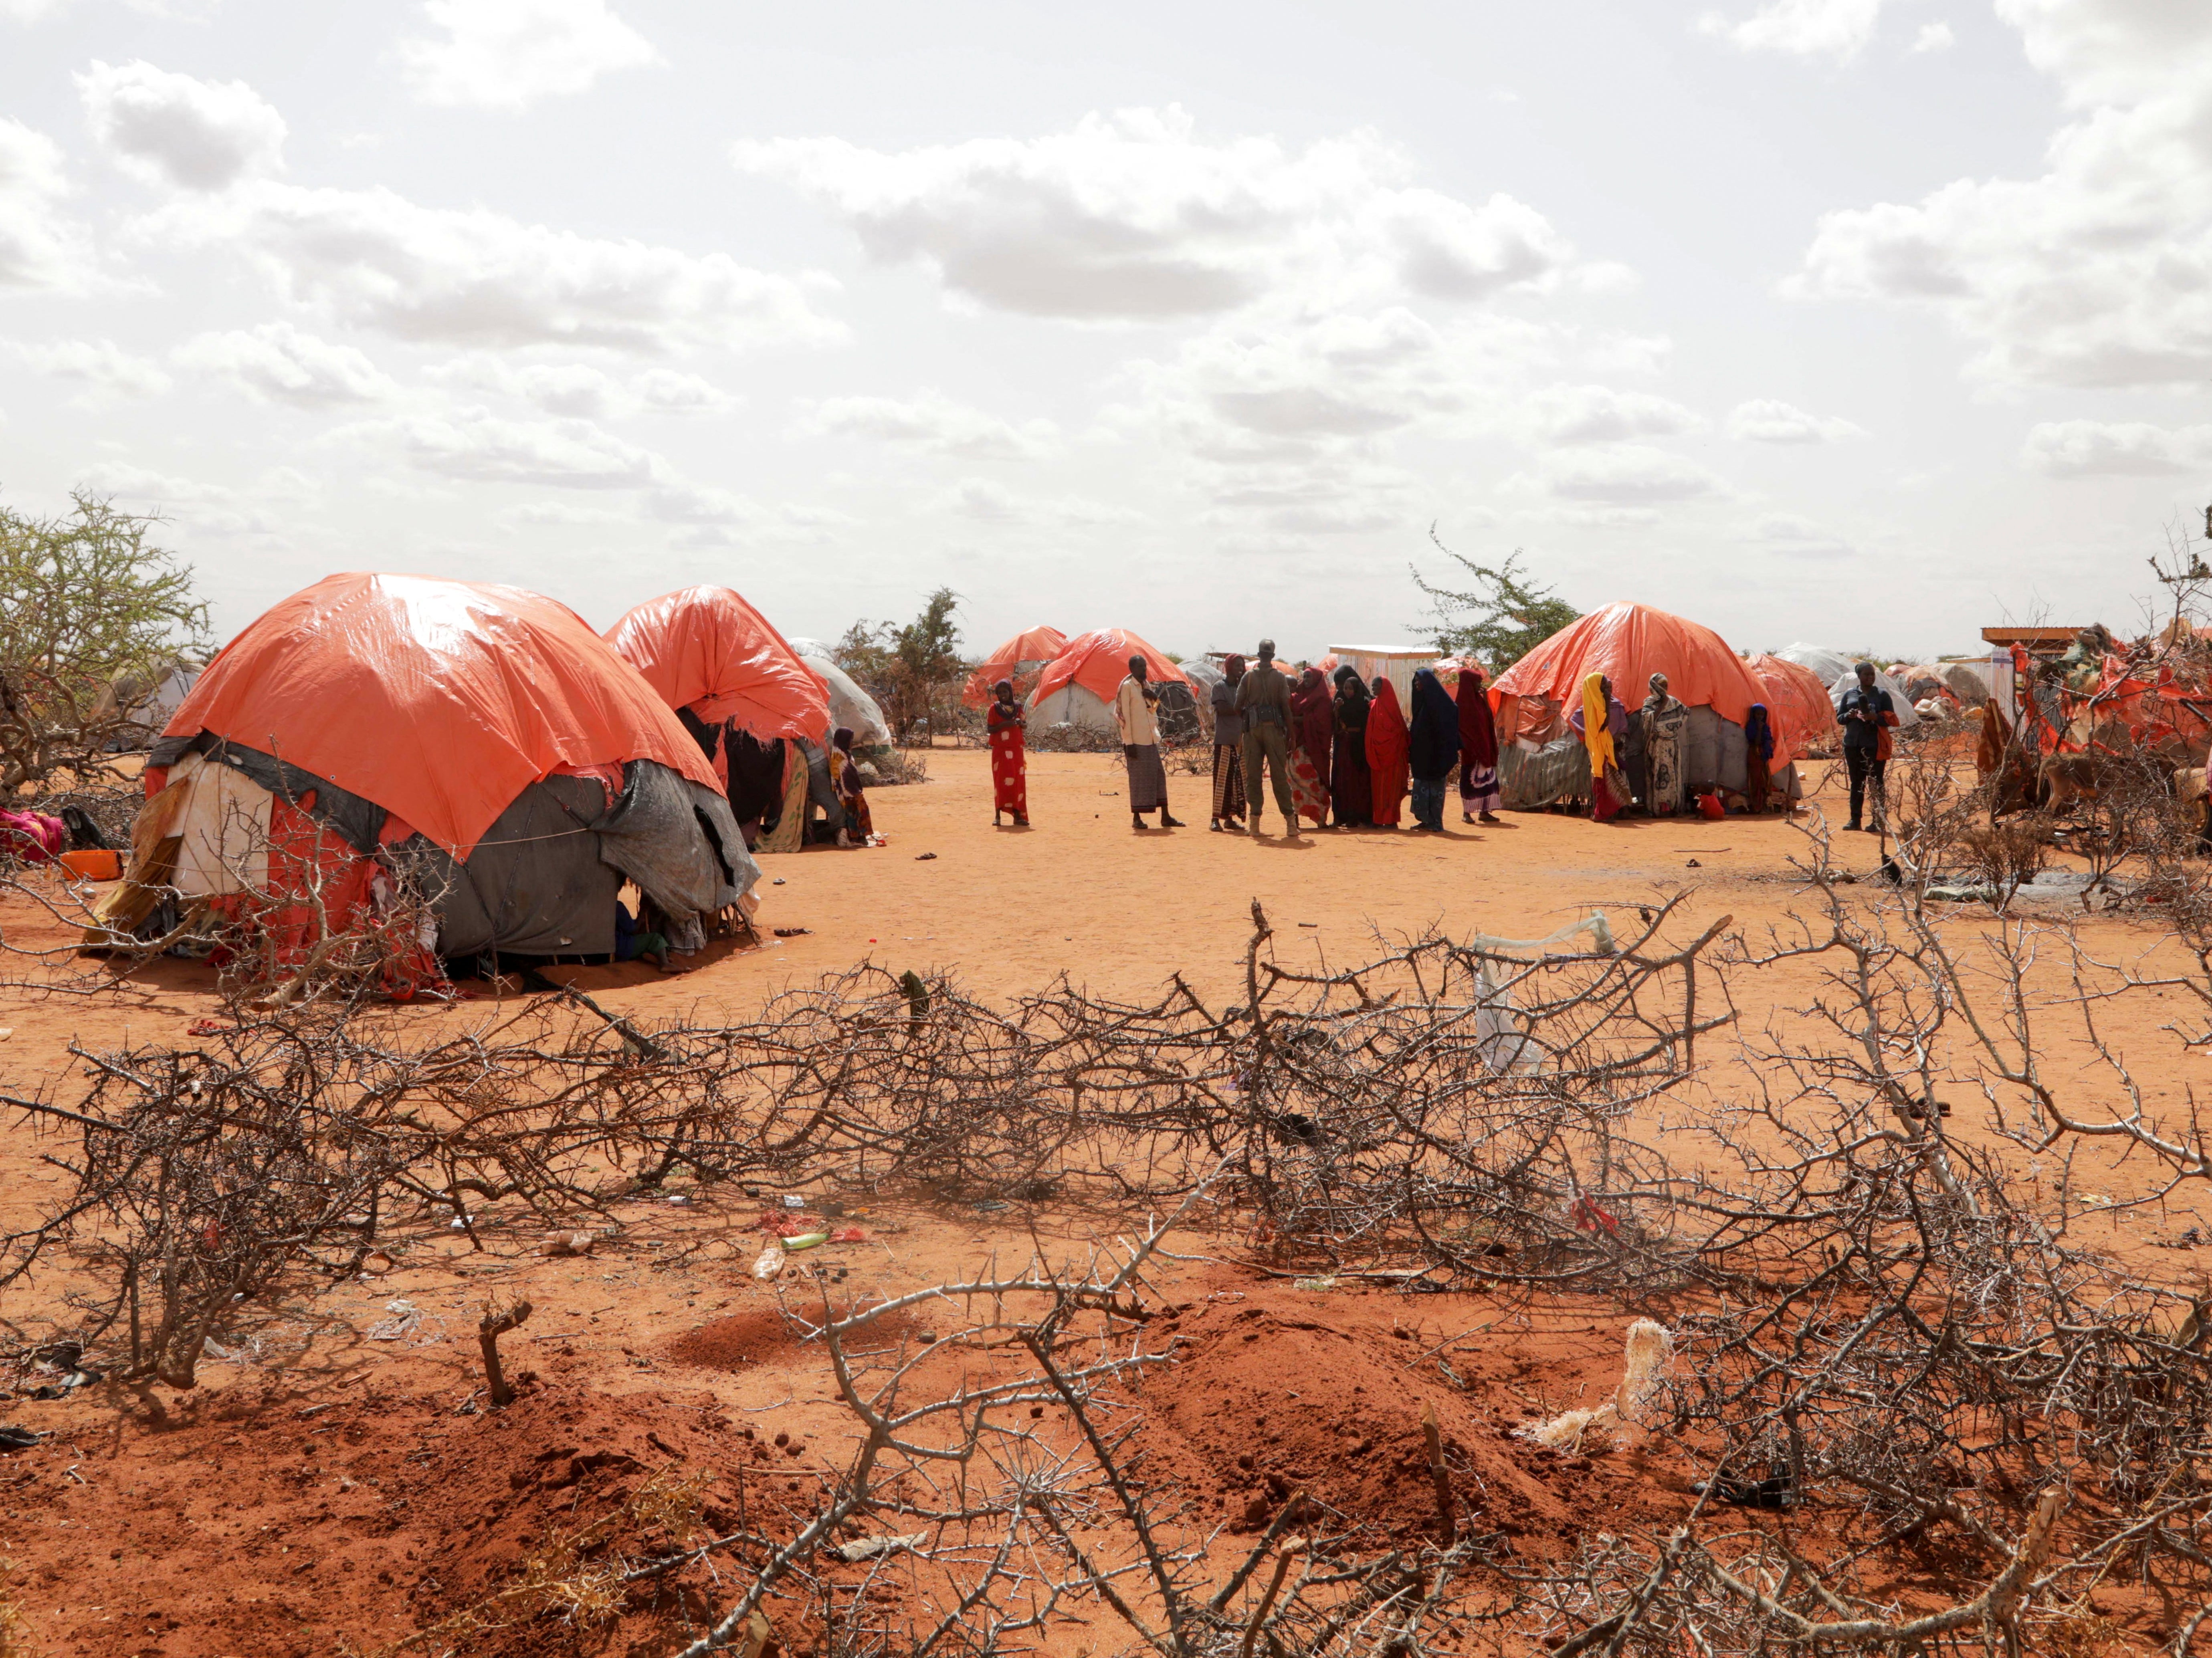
pixel 1764 420
pixel 683 502
pixel 1803 28
pixel 141 486
pixel 108 371
pixel 36 11
pixel 707 517
pixel 278 363
pixel 476 277
pixel 1934 37
pixel 268 506
pixel 584 391
pixel 38 249
pixel 507 54
pixel 1599 414
pixel 535 514
pixel 1280 387
pixel 1450 250
pixel 1791 537
pixel 2088 448
pixel 576 390
pixel 477 446
pixel 1628 354
pixel 1625 475
pixel 932 422
pixel 985 500
pixel 174 130
pixel 2098 272
pixel 1134 216
pixel 670 392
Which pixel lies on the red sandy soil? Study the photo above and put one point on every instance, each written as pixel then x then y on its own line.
pixel 324 1487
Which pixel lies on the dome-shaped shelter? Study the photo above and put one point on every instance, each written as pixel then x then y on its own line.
pixel 1797 701
pixel 850 707
pixel 1076 687
pixel 1628 643
pixel 1021 659
pixel 480 741
pixel 736 684
pixel 712 655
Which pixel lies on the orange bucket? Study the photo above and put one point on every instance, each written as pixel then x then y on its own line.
pixel 92 866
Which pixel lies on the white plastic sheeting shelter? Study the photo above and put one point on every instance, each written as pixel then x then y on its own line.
pixel 849 706
pixel 1840 673
pixel 1396 663
pixel 1074 705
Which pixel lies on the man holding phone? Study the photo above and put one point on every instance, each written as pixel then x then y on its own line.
pixel 1866 715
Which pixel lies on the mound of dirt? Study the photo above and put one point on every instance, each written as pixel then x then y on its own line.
pixel 736 1343
pixel 247 1527
pixel 745 1339
pixel 1266 1403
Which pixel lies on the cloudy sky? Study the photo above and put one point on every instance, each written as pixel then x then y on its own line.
pixel 1866 322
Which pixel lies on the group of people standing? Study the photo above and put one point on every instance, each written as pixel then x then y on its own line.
pixel 1341 752
pixel 1347 753
pixel 1636 760
pixel 1348 756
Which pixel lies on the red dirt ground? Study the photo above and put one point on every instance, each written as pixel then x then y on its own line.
pixel 326 1487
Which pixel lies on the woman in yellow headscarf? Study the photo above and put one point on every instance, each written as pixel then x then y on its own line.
pixel 1602 721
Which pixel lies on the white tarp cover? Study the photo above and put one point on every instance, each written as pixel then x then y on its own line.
pixel 1073 705
pixel 1840 673
pixel 222 819
pixel 849 706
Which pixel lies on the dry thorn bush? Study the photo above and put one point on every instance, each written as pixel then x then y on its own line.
pixel 1880 1320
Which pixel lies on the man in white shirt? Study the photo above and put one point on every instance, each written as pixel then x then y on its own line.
pixel 1133 706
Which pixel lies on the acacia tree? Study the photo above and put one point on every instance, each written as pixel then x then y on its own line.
pixel 91 614
pixel 914 670
pixel 1502 618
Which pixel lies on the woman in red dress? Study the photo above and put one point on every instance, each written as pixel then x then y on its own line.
pixel 1010 766
pixel 1389 754
pixel 1312 718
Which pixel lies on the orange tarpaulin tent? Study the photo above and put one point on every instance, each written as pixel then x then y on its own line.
pixel 1796 700
pixel 706 649
pixel 1099 661
pixel 438 701
pixel 1628 643
pixel 1033 647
